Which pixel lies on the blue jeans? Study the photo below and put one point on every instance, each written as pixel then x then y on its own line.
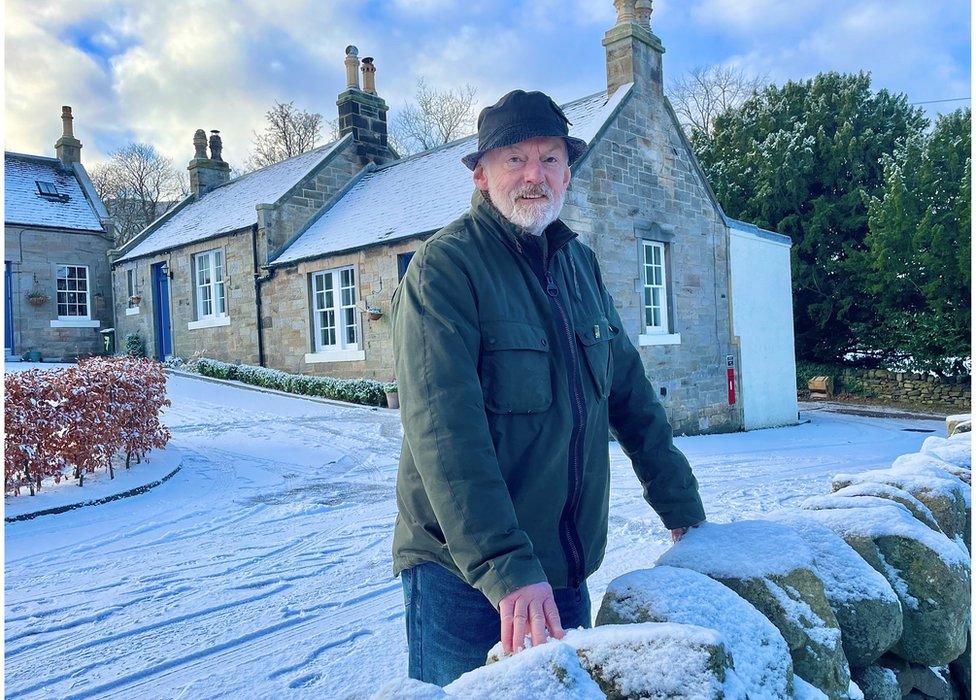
pixel 451 626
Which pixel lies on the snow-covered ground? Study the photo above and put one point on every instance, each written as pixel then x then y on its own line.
pixel 262 569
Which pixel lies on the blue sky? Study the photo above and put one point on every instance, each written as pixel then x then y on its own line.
pixel 155 71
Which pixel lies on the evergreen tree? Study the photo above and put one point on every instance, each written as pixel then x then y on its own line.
pixel 919 250
pixel 798 159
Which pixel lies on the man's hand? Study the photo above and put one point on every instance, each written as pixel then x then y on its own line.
pixel 678 533
pixel 531 606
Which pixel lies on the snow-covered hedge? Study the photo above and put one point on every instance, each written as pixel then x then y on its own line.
pixel 362 391
pixel 69 422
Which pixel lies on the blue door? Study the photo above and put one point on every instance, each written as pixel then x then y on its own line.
pixel 8 311
pixel 164 334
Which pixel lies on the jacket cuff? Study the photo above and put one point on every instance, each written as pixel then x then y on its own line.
pixel 508 575
pixel 686 515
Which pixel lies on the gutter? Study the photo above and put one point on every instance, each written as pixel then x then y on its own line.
pixel 259 280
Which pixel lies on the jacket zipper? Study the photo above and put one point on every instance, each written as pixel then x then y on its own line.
pixel 573 547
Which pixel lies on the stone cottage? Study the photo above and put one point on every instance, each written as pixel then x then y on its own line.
pixel 57 234
pixel 304 282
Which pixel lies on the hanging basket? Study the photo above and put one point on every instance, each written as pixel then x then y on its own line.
pixel 373 313
pixel 37 298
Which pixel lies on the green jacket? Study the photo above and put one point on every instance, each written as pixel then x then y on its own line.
pixel 511 376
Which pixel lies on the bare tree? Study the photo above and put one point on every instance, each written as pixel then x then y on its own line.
pixel 137 184
pixel 702 94
pixel 437 117
pixel 289 131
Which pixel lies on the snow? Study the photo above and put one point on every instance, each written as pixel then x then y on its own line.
pixel 914 472
pixel 805 691
pixel 745 549
pixel 878 517
pixel 550 670
pixel 957 452
pixel 802 615
pixel 262 569
pixel 656 660
pixel 762 658
pixel 845 575
pixel 24 205
pixel 886 491
pixel 155 466
pixel 232 206
pixel 422 193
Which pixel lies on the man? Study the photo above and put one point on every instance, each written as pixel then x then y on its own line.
pixel 512 369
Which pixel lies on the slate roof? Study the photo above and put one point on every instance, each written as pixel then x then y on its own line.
pixel 227 208
pixel 24 205
pixel 418 194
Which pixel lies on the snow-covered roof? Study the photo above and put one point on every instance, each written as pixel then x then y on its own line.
pixel 69 208
pixel 229 207
pixel 746 227
pixel 421 193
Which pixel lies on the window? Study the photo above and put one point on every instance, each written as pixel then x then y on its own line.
pixel 335 318
pixel 655 290
pixel 403 260
pixel 209 283
pixel 130 285
pixel 72 292
pixel 47 188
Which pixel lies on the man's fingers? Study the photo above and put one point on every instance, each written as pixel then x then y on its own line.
pixel 506 611
pixel 537 622
pixel 553 622
pixel 518 631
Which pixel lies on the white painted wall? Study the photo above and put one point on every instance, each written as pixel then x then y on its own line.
pixel 762 317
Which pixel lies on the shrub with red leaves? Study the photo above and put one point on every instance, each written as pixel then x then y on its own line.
pixel 79 419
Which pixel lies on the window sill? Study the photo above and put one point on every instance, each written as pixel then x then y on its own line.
pixel 335 356
pixel 75 323
pixel 209 322
pixel 132 311
pixel 659 339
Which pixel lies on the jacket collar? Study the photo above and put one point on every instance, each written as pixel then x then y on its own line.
pixel 557 233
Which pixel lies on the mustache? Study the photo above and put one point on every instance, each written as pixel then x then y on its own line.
pixel 537 190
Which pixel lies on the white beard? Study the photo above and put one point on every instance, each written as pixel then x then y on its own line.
pixel 534 217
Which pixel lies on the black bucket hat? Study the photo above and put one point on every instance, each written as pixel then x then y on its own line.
pixel 519 116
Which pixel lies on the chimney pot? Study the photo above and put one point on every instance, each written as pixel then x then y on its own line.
pixel 66 120
pixel 216 145
pixel 199 144
pixel 67 148
pixel 352 63
pixel 643 10
pixel 369 76
pixel 625 11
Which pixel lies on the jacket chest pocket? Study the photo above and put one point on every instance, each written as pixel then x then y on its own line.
pixel 594 336
pixel 515 369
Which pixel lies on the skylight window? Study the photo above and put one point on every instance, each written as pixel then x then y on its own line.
pixel 47 188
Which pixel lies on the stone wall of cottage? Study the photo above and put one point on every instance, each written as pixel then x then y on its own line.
pixel 639 182
pixel 235 342
pixel 34 255
pixel 281 221
pixel 287 313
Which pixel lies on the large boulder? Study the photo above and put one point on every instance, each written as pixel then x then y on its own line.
pixel 657 660
pixel 956 450
pixel 962 669
pixel 959 424
pixel 928 572
pixel 945 495
pixel 769 565
pixel 550 670
pixel 918 509
pixel 669 594
pixel 877 683
pixel 867 609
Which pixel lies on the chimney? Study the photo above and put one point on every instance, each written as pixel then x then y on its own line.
pixel 207 173
pixel 68 148
pixel 634 53
pixel 362 112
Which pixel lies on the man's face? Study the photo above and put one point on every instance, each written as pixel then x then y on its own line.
pixel 526 181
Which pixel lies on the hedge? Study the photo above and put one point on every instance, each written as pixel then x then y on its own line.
pixel 362 391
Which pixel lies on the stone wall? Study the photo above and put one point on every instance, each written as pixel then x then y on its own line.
pixel 235 342
pixel 908 387
pixel 287 314
pixel 639 182
pixel 35 255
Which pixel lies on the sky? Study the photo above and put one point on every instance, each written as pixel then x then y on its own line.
pixel 155 72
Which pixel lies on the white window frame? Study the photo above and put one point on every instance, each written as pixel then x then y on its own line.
pixel 212 261
pixel 659 334
pixel 326 289
pixel 58 292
